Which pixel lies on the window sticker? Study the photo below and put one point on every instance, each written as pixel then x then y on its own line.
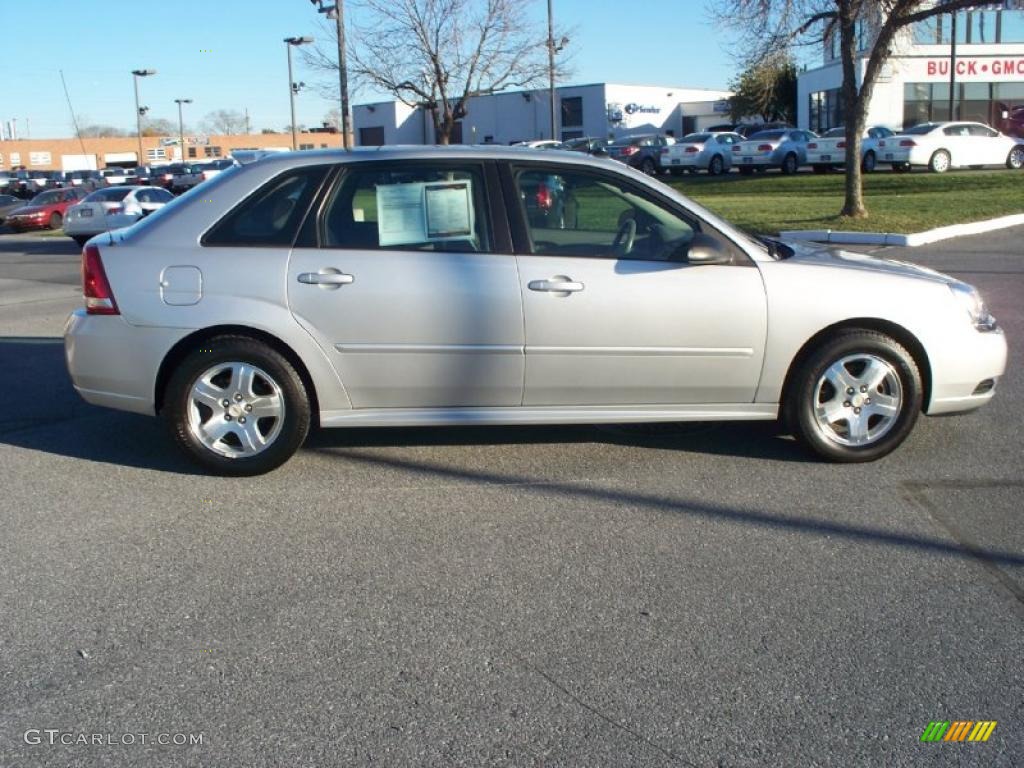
pixel 424 212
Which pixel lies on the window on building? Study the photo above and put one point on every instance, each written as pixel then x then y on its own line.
pixel 192 152
pixel 305 146
pixel 211 151
pixel 572 111
pixel 372 136
pixel 825 110
pixel 158 153
pixel 1011 26
pixel 972 28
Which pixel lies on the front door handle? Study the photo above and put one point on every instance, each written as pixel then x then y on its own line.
pixel 557 284
pixel 331 279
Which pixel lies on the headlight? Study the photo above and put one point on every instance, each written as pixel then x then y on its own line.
pixel 967 296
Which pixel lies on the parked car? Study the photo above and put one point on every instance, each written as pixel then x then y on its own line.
pixel 588 144
pixel 785 150
pixel 711 152
pixel 54 180
pixel 27 184
pixel 941 146
pixel 142 176
pixel 114 176
pixel 641 152
pixel 191 175
pixel 283 298
pixel 45 210
pixel 1011 121
pixel 88 180
pixel 828 151
pixel 6 177
pixel 747 130
pixel 164 177
pixel 540 144
pixel 112 208
pixel 9 203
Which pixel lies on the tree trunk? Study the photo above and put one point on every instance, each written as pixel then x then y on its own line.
pixel 854 109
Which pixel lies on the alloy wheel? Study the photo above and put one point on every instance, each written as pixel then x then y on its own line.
pixel 857 400
pixel 235 409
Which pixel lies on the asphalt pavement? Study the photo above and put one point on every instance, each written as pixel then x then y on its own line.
pixel 701 595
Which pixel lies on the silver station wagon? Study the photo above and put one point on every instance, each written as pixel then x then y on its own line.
pixel 430 286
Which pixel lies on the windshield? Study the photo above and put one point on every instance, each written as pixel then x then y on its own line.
pixel 697 138
pixel 834 133
pixel 107 196
pixel 47 198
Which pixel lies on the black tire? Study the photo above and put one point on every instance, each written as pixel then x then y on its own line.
pixel 80 239
pixel 940 161
pixel 746 170
pixel 869 163
pixel 648 167
pixel 225 349
pixel 1015 160
pixel 790 164
pixel 716 166
pixel 808 384
pixel 56 221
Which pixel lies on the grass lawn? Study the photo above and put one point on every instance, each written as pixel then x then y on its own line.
pixel 897 202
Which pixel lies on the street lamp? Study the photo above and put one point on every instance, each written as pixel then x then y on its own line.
pixel 181 126
pixel 140 111
pixel 337 12
pixel 292 89
pixel 553 48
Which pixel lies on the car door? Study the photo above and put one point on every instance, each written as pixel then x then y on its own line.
pixel 991 148
pixel 411 286
pixel 614 313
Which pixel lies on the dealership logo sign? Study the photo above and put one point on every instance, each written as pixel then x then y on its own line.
pixel 640 109
pixel 973 69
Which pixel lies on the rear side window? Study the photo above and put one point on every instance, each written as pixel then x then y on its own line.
pixel 271 216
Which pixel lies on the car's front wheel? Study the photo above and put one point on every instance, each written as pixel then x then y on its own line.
pixel 790 164
pixel 855 398
pixel 716 166
pixel 237 406
pixel 1015 159
pixel 869 163
pixel 648 167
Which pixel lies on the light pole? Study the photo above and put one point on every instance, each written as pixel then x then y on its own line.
pixel 289 42
pixel 181 126
pixel 553 48
pixel 337 12
pixel 139 111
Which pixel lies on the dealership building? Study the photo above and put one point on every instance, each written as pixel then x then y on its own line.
pixel 914 85
pixel 600 110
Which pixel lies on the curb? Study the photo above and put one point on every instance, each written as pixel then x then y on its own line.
pixel 910 241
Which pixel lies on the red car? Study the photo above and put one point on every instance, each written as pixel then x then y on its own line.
pixel 45 210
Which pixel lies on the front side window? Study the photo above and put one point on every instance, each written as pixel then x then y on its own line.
pixel 426 207
pixel 271 216
pixel 578 213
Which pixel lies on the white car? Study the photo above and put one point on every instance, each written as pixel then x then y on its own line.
pixel 197 173
pixel 112 208
pixel 114 177
pixel 941 146
pixel 829 150
pixel 783 148
pixel 710 151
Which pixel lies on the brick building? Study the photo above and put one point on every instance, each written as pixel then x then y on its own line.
pixel 72 154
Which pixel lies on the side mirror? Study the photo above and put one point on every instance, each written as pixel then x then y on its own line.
pixel 704 249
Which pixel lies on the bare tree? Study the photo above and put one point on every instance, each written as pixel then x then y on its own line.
pixel 774 25
pixel 766 89
pixel 159 126
pixel 224 122
pixel 438 54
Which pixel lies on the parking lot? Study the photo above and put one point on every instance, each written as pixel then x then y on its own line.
pixel 701 595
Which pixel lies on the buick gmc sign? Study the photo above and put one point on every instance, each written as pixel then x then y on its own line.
pixel 969 69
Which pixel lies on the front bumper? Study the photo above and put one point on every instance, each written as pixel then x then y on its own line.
pixel 24 223
pixel 963 365
pixel 113 363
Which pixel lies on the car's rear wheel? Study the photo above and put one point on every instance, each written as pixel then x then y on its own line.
pixel 855 398
pixel 715 167
pixel 869 163
pixel 237 407
pixel 1015 159
pixel 56 221
pixel 939 162
pixel 647 166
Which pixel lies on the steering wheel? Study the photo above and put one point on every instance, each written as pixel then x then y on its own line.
pixel 622 245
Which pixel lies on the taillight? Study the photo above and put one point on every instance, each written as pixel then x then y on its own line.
pixel 840 145
pixel 544 199
pixel 691 150
pixel 99 299
pixel 813 145
pixel 116 209
pixel 908 143
pixel 627 151
pixel 765 148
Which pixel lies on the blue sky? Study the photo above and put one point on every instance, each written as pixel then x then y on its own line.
pixel 662 42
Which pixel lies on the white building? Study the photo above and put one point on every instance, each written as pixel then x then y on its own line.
pixel 914 86
pixel 597 110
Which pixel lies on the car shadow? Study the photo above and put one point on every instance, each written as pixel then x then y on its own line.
pixel 44 413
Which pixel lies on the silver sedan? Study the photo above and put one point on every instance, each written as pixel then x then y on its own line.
pixel 476 286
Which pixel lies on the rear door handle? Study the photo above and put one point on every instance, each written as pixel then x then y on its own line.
pixel 326 279
pixel 559 284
